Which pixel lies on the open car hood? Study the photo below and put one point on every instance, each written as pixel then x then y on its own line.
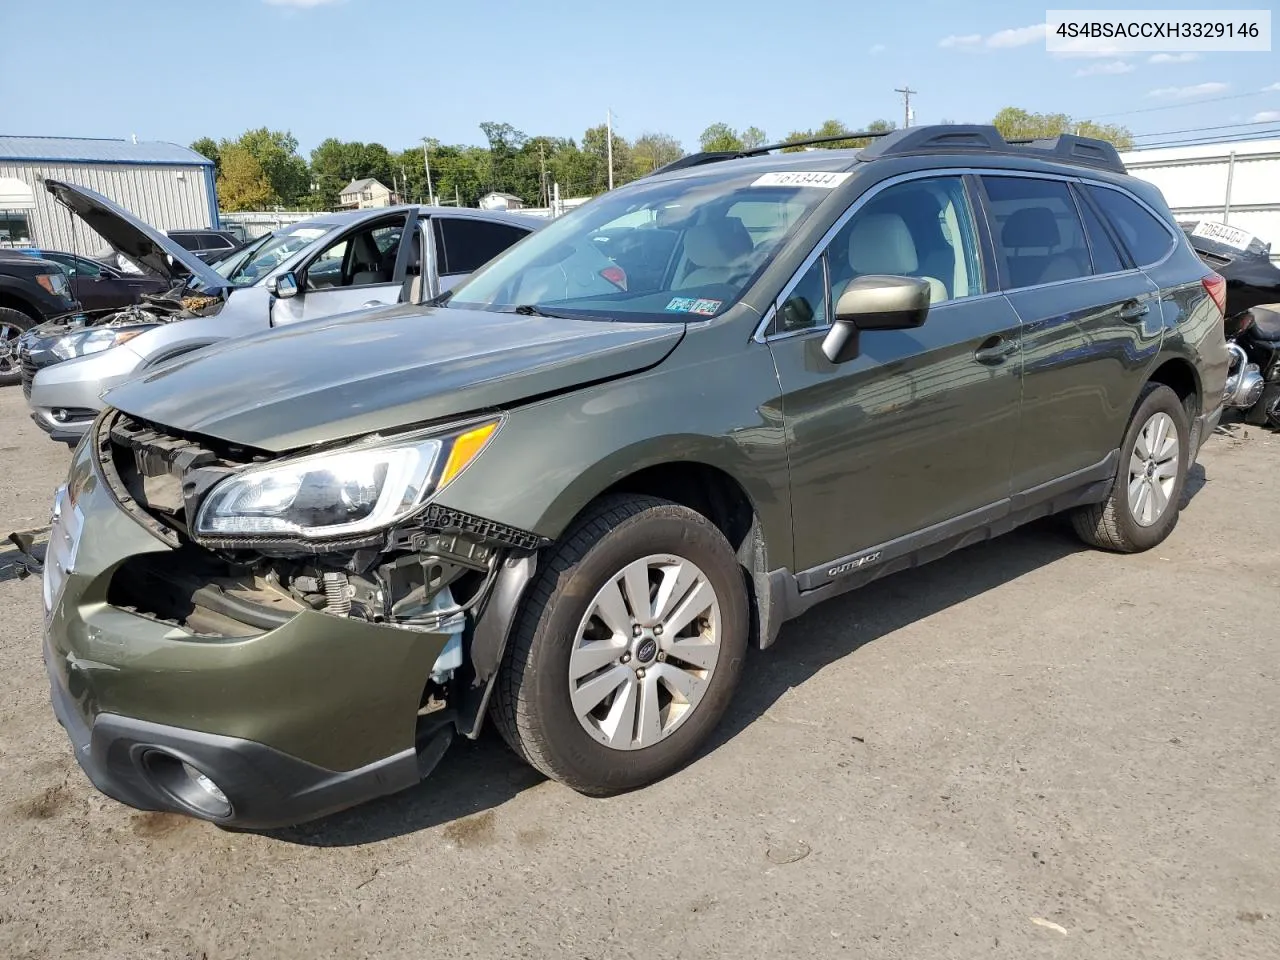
pixel 382 371
pixel 140 242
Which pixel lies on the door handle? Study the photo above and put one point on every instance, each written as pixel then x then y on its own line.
pixel 996 350
pixel 373 303
pixel 1134 309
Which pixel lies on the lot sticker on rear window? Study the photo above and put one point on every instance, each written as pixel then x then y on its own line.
pixel 801 178
pixel 696 305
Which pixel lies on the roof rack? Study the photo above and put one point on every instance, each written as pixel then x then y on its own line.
pixel 940 138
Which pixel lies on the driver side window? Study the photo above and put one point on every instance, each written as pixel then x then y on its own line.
pixel 361 259
pixel 920 228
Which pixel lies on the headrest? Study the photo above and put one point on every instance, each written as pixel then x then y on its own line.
pixel 718 243
pixel 881 243
pixel 1031 227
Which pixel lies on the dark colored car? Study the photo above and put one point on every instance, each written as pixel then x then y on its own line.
pixel 206 244
pixel 99 286
pixel 1242 259
pixel 31 290
pixel 287 570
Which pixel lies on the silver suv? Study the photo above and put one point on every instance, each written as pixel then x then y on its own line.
pixel 335 263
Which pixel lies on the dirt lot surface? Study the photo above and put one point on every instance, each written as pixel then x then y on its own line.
pixel 1025 750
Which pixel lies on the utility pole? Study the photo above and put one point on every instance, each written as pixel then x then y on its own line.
pixel 543 196
pixel 608 138
pixel 426 162
pixel 906 104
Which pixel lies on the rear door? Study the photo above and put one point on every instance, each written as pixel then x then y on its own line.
pixel 363 267
pixel 1089 325
pixel 464 244
pixel 919 428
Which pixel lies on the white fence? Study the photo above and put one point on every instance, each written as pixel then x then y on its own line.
pixel 257 224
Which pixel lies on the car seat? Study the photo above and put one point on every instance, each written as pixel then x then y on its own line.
pixel 718 249
pixel 881 243
pixel 1036 228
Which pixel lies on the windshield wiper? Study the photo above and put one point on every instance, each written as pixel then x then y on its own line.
pixel 532 310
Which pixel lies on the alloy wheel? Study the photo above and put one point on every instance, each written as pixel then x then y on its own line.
pixel 645 652
pixel 1153 469
pixel 9 335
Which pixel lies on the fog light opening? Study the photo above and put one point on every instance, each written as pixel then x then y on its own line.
pixel 187 785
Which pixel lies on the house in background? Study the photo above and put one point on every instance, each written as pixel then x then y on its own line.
pixel 365 194
pixel 501 201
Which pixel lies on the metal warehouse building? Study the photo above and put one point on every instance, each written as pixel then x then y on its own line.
pixel 164 184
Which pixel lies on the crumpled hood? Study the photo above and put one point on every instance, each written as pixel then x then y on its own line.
pixel 382 371
pixel 140 242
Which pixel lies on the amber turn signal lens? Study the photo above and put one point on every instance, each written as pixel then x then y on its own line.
pixel 464 450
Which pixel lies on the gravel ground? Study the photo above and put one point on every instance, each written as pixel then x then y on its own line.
pixel 1027 749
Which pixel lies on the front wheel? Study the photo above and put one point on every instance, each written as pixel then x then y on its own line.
pixel 13 323
pixel 1142 507
pixel 628 647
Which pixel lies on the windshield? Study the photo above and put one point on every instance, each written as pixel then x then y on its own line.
pixel 256 261
pixel 666 250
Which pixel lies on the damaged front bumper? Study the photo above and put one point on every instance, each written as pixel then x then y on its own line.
pixel 282 717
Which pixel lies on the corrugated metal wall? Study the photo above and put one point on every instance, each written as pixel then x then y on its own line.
pixel 1194 183
pixel 153 193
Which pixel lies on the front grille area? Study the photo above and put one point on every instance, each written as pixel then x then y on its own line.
pixel 160 473
pixel 28 372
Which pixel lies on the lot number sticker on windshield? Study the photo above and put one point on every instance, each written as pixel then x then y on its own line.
pixel 1231 236
pixel 706 308
pixel 801 178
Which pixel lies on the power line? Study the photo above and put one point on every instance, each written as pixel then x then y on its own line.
pixel 1207 141
pixel 1183 103
pixel 1225 126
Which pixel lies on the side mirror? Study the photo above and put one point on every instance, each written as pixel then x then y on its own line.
pixel 283 286
pixel 875 303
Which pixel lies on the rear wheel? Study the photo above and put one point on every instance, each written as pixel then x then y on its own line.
pixel 1142 507
pixel 13 323
pixel 628 648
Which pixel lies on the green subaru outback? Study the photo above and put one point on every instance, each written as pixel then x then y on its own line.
pixel 285 572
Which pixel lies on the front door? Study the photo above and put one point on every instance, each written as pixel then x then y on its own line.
pixel 363 267
pixel 920 427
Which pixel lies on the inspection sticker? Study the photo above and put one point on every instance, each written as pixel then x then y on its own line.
pixel 696 305
pixel 801 178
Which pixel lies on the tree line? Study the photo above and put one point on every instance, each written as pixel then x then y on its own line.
pixel 262 169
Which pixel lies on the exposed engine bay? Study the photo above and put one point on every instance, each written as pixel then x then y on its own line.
pixel 152 309
pixel 432 572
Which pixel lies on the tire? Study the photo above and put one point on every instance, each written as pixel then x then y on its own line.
pixel 1257 414
pixel 534 706
pixel 1120 524
pixel 12 325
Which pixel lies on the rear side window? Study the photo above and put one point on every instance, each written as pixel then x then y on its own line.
pixel 1106 259
pixel 1146 237
pixel 1038 234
pixel 467 245
pixel 188 241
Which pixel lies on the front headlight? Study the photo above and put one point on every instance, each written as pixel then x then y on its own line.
pixel 84 342
pixel 347 492
pixel 55 283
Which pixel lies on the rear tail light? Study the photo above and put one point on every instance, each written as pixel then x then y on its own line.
pixel 1216 287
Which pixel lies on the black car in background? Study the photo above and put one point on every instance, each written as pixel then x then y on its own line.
pixel 98 285
pixel 1240 257
pixel 31 290
pixel 206 244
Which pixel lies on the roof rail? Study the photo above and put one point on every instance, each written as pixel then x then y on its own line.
pixel 983 138
pixel 712 156
pixel 940 138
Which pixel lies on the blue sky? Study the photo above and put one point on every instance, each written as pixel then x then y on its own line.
pixel 393 71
